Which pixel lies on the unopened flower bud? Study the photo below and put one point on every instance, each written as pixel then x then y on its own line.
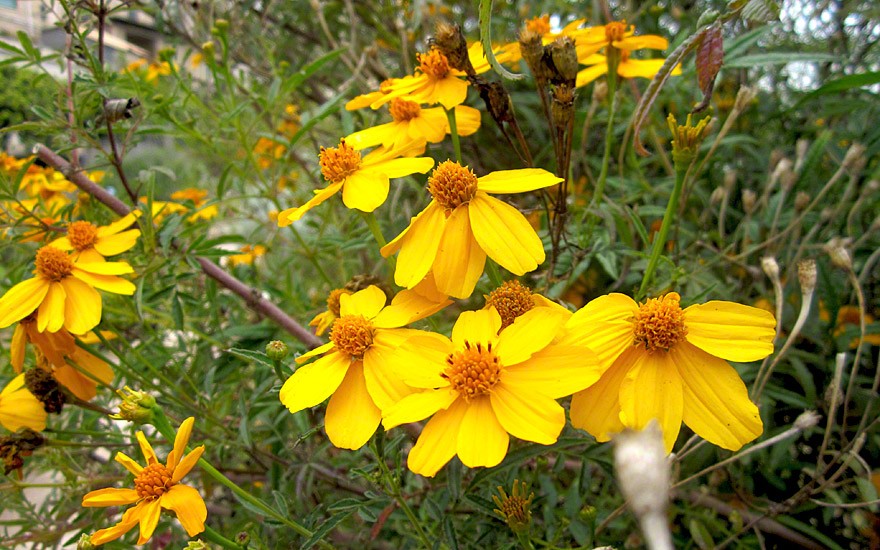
pixel 136 407
pixel 770 267
pixel 717 195
pixel 840 257
pixel 221 24
pixel 45 388
pixel 85 542
pixel 208 49
pixel 801 200
pixel 515 508
pixel 277 350
pixel 806 272
pixel 243 538
pixel 749 198
pixel 686 139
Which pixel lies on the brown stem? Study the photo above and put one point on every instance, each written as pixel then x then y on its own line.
pixel 250 295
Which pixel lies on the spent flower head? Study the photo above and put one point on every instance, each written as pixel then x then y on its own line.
pixel 515 508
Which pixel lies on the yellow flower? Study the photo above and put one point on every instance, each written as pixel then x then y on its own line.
pixel 157 487
pixel 80 375
pixel 19 408
pixel 433 82
pixel 463 224
pixel 160 209
pixel 848 316
pixel 63 292
pixel 357 367
pixel 248 255
pixel 412 123
pixel 91 243
pixel 482 386
pixel 323 320
pixel 670 364
pixel 367 99
pixel 617 39
pixel 364 181
pixel 198 197
pixel 513 299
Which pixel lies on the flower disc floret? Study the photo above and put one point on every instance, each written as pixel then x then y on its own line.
pixel 352 334
pixel 403 110
pixel 452 185
pixel 337 163
pixel 615 31
pixel 473 371
pixel 433 64
pixel 511 300
pixel 333 300
pixel 53 264
pixel 539 25
pixel 82 235
pixel 153 481
pixel 659 323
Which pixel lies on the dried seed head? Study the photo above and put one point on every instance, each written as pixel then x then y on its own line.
pixel 450 41
pixel 729 178
pixel 562 105
pixel 563 57
pixel 837 250
pixel 806 272
pixel 600 91
pixel 744 98
pixel 717 195
pixel 801 200
pixel 770 267
pixel 749 198
pixel 800 150
pixel 531 48
pixel 45 388
pixel 642 469
pixel 807 420
pixel 854 161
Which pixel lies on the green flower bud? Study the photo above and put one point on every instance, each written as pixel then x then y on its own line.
pixel 277 350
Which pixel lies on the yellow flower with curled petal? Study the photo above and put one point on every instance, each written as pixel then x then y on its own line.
pixel 433 82
pixel 619 40
pixel 484 384
pixel 156 487
pixel 670 364
pixel 463 224
pixel 364 181
pixel 358 368
pixel 91 243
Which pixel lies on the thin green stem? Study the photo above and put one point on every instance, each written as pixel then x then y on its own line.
pixel 660 238
pixel 493 273
pixel 310 254
pixel 453 131
pixel 393 484
pixel 219 539
pixel 373 224
pixel 599 193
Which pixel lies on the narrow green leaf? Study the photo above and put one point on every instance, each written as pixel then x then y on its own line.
pixel 486 41
pixel 777 58
pixel 251 356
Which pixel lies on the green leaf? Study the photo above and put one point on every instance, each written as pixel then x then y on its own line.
pixel 177 312
pixel 841 85
pixel 28 46
pixel 777 58
pixel 303 74
pixel 317 116
pixel 251 356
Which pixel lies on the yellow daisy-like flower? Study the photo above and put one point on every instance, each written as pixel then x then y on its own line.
pixel 670 364
pixel 156 487
pixel 357 367
pixel 617 39
pixel 367 99
pixel 483 385
pixel 198 197
pixel 91 243
pixel 513 299
pixel 463 224
pixel 160 209
pixel 19 408
pixel 627 67
pixel 434 82
pixel 249 253
pixel 412 123
pixel 73 367
pixel 364 181
pixel 323 320
pixel 62 293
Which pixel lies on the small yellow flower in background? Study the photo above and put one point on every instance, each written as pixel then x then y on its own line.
pixel 670 364
pixel 156 487
pixel 617 39
pixel 62 293
pixel 847 317
pixel 198 198
pixel 19 408
pixel 482 386
pixel 434 82
pixel 364 181
pixel 91 243
pixel 154 69
pixel 25 210
pixel 513 299
pixel 72 366
pixel 463 224
pixel 357 369
pixel 160 209
pixel 248 255
pixel 367 99
pixel 323 320
pixel 412 123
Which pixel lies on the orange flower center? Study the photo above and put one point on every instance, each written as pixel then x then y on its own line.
pixel 539 25
pixel 82 235
pixel 153 481
pixel 352 335
pixel 337 163
pixel 333 300
pixel 659 323
pixel 615 31
pixel 473 371
pixel 403 110
pixel 452 184
pixel 511 300
pixel 433 64
pixel 53 264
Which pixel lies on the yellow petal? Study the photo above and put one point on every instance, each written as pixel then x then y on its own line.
pixel 467 120
pixel 555 371
pixel 418 246
pixel 652 389
pixel 187 463
pixel 320 350
pixel 19 408
pixel 418 406
pixel 431 125
pixel 420 360
pixel 21 300
pixel 529 333
pixel 148 520
pixel 287 217
pixel 370 137
pixel 117 244
pixel 62 243
pixel 187 503
pixel 437 443
pixel 128 463
pixel 314 383
pixel 146 448
pixel 103 536
pixel 82 308
pixel 649 41
pixel 643 68
pixel 104 268
pixel 79 385
pixel 367 302
pixel 110 497
pixel 383 384
pixel 365 190
pixel 590 74
pixel 716 402
pixel 399 167
pixel 730 331
pixel 604 325
pixel 597 408
pixel 449 92
pixel 406 307
pixel 482 441
pixel 459 262
pixel 50 315
pixel 476 327
pixel 180 441
pixel 110 283
pixel 517 181
pixel 505 234
pixel 17 347
pixel 529 416
pixel 351 417
pixel 119 225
